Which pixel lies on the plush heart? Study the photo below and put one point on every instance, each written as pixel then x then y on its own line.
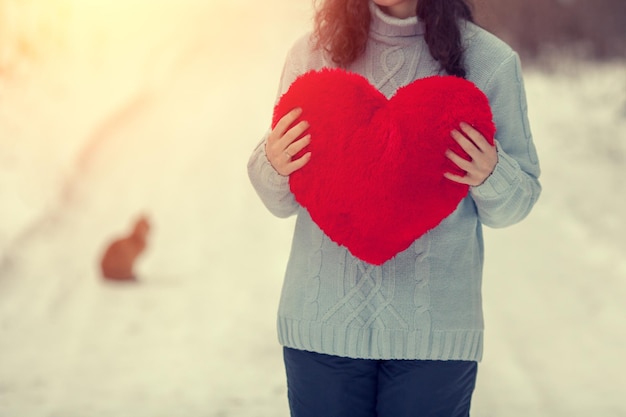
pixel 375 181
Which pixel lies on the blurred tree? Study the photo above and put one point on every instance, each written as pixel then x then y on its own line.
pixel 590 29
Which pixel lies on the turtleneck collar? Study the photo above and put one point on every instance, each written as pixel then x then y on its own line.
pixel 389 26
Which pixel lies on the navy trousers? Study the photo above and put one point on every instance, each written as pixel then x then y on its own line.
pixel 331 386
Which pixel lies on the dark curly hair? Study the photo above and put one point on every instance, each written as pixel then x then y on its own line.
pixel 342 28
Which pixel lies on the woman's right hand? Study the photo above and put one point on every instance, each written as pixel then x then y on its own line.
pixel 285 141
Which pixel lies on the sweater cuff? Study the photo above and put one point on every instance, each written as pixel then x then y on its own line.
pixel 503 177
pixel 271 175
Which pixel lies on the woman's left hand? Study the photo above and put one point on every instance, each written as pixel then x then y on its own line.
pixel 484 156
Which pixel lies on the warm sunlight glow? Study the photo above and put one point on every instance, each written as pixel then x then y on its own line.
pixel 35 29
pixel 30 28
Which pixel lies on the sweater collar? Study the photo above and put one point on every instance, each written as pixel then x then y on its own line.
pixel 389 26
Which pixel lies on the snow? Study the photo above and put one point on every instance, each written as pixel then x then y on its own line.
pixel 160 116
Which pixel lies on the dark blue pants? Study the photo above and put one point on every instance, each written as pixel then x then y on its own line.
pixel 331 386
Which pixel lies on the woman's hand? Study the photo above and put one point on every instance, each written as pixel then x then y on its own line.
pixel 285 141
pixel 484 156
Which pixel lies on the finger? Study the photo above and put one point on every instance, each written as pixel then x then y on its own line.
pixel 294 133
pixel 476 137
pixel 296 164
pixel 458 178
pixel 459 161
pixel 298 145
pixel 286 121
pixel 467 180
pixel 466 144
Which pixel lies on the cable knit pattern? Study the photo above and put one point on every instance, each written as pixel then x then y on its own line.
pixel 425 303
pixel 311 306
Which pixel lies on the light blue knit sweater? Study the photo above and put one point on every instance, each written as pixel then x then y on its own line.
pixel 425 303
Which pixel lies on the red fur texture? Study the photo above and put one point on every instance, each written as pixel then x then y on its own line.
pixel 375 180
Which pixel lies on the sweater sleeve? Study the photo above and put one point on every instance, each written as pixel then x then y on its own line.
pixel 508 195
pixel 273 188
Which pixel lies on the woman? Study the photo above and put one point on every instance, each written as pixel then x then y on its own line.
pixel 402 338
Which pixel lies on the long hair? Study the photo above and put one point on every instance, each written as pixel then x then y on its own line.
pixel 342 29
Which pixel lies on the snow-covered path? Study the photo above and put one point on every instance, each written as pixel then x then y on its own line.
pixel 196 337
pixel 555 284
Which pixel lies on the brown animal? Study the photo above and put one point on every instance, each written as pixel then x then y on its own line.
pixel 119 258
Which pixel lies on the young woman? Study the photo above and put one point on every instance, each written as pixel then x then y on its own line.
pixel 403 338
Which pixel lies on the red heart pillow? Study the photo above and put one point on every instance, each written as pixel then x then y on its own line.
pixel 375 181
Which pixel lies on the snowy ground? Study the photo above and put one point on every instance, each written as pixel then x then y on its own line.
pixel 160 117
